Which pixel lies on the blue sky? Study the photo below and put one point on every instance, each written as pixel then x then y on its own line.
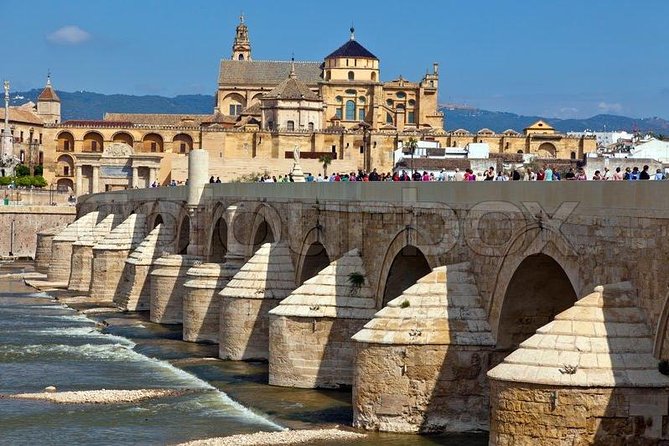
pixel 571 58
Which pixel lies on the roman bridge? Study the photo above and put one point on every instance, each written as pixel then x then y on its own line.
pixel 535 310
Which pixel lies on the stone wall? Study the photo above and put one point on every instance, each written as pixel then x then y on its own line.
pixel 19 226
pixel 532 414
pixel 312 352
pixel 421 388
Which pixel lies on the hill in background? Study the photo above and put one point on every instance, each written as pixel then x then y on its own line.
pixel 87 105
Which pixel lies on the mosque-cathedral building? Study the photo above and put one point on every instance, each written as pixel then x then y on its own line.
pixel 338 107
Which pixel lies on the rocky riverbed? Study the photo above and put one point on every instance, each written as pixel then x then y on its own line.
pixel 289 437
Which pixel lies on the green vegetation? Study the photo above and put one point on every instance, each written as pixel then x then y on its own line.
pixel 663 367
pixel 325 160
pixel 252 177
pixel 356 280
pixel 405 304
pixel 24 181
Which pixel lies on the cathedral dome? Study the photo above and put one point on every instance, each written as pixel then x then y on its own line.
pixel 351 49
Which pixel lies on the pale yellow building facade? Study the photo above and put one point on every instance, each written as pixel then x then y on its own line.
pixel 338 107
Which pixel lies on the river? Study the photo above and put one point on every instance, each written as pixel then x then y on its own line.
pixel 44 343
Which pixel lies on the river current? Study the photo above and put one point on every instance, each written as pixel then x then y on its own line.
pixel 44 343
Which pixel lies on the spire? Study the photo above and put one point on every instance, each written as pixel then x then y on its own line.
pixel 48 94
pixel 241 48
pixel 293 74
pixel 352 29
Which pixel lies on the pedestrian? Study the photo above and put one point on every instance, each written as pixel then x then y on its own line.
pixel 548 173
pixel 644 175
pixel 218 179
pixel 617 175
pixel 211 179
pixel 659 175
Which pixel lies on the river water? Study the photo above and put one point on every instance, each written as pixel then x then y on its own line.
pixel 43 343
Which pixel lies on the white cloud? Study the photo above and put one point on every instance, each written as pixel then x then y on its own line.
pixel 606 107
pixel 68 35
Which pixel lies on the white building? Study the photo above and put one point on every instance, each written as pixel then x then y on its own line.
pixel 605 138
pixel 651 149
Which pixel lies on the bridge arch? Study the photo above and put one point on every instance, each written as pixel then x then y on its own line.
pixel 266 227
pixel 314 256
pixel 539 289
pixel 405 262
pixel 534 240
pixel 183 235
pixel 218 235
pixel 661 348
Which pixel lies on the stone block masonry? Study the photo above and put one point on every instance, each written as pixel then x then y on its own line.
pixel 20 224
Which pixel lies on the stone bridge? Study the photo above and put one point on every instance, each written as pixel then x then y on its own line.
pixel 537 311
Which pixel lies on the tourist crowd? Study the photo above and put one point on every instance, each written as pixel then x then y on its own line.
pixel 544 174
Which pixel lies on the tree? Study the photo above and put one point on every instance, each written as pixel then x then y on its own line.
pixel 411 145
pixel 325 160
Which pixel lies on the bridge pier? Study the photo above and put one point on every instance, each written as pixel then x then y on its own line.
pixel 167 288
pixel 110 254
pixel 421 362
pixel 263 281
pixel 310 330
pixel 43 247
pixel 61 247
pixel 588 377
pixel 135 291
pixel 82 254
pixel 201 309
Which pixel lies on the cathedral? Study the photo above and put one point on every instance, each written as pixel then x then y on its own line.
pixel 337 108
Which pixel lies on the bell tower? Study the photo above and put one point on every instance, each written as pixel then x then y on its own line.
pixel 241 49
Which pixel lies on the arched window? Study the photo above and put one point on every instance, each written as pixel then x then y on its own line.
pixel 401 95
pixel 362 99
pixel 310 126
pixel 390 102
pixel 327 75
pixel 338 99
pixel 412 102
pixel 373 76
pixel 351 75
pixel 350 110
pixel 290 125
pixel 572 155
pixel 241 57
pixel 389 118
pixel 361 114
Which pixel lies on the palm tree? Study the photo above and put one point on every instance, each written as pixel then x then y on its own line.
pixel 326 160
pixel 412 145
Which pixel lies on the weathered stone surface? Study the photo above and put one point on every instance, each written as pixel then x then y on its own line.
pixel 109 256
pixel 588 377
pixel 135 290
pixel 263 281
pixel 61 247
pixel 310 330
pixel 82 253
pixel 202 309
pixel 421 361
pixel 43 247
pixel 167 288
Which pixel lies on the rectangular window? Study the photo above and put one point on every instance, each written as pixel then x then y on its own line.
pixel 41 158
pixel 21 136
pixel 154 146
pixel 311 126
pixel 40 138
pixel 66 171
pixel 183 147
pixel 411 117
pixel 290 125
pixel 339 112
pixel 235 109
pixel 94 146
pixel 361 114
pixel 66 146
